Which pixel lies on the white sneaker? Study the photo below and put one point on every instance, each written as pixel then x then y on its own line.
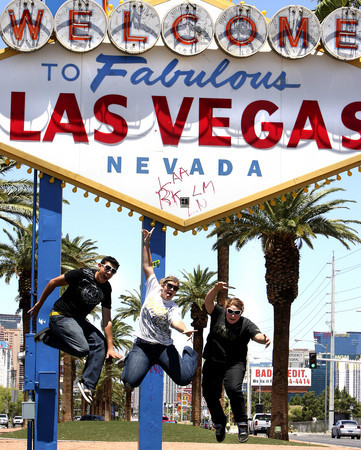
pixel 85 392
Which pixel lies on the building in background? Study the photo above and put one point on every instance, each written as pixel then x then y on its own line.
pixel 347 347
pixel 11 332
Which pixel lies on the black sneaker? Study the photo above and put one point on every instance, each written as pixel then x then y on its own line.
pixel 128 387
pixel 243 434
pixel 39 337
pixel 85 392
pixel 220 431
pixel 120 362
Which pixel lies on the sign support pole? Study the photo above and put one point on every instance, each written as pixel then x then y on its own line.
pixel 47 358
pixel 151 389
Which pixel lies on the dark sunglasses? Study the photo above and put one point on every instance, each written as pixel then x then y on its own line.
pixel 236 312
pixel 171 286
pixel 108 268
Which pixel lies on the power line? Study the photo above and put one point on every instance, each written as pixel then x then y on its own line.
pixel 348 254
pixel 318 320
pixel 305 289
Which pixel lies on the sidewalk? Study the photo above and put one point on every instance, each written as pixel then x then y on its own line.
pixel 21 444
pixel 7 444
pixel 10 444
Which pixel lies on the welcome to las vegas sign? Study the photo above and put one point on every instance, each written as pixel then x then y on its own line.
pixel 181 131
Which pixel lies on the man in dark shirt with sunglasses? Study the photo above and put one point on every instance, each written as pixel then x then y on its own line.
pixel 70 331
pixel 226 360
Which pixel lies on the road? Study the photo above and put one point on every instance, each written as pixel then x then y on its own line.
pixel 325 439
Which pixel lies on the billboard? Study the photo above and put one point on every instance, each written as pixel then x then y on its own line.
pixel 181 135
pixel 297 377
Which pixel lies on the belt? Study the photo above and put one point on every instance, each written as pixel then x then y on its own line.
pixel 55 313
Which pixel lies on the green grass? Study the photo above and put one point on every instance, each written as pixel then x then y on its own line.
pixel 128 432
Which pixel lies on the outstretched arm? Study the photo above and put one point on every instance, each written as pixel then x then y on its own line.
pixel 209 301
pixel 180 326
pixel 108 331
pixel 53 283
pixel 147 256
pixel 261 338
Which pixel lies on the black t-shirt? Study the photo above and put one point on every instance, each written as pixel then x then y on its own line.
pixel 227 343
pixel 83 294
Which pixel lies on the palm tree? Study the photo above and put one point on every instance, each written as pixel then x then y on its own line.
pixel 16 259
pixel 282 226
pixel 192 292
pixel 16 197
pixel 78 253
pixel 132 305
pixel 120 330
pixel 325 7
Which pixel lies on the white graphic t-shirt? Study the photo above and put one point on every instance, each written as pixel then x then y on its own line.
pixel 156 315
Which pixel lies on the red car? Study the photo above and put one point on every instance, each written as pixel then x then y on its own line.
pixel 166 419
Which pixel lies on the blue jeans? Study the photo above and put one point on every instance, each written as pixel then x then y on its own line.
pixel 143 356
pixel 232 375
pixel 79 337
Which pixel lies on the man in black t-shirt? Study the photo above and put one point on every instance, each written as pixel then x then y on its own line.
pixel 69 330
pixel 225 357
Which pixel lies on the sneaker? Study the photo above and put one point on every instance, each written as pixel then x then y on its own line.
pixel 39 337
pixel 128 387
pixel 220 431
pixel 243 433
pixel 85 392
pixel 120 362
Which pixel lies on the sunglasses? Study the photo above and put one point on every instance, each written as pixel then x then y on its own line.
pixel 236 312
pixel 108 268
pixel 171 286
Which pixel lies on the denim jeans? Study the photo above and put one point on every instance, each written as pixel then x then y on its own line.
pixel 143 356
pixel 79 337
pixel 232 375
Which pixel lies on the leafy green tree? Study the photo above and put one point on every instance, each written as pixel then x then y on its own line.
pixel 343 401
pixel 111 372
pixel 265 400
pixel 14 408
pixel 131 305
pixel 16 260
pixel 283 225
pixel 325 7
pixel 16 196
pixel 192 292
pixel 296 414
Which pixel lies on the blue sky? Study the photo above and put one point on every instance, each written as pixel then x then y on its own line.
pixel 119 235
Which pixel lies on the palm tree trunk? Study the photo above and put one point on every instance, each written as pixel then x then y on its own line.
pixel 67 401
pixel 128 406
pixel 83 406
pixel 197 380
pixel 279 418
pixel 223 271
pixel 108 389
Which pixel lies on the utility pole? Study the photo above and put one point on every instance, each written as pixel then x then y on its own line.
pixel 332 350
pixel 249 391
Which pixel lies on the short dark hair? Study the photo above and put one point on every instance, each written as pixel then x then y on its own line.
pixel 111 260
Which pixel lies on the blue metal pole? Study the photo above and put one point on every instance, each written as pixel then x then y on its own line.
pixel 33 248
pixel 151 389
pixel 32 293
pixel 47 358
